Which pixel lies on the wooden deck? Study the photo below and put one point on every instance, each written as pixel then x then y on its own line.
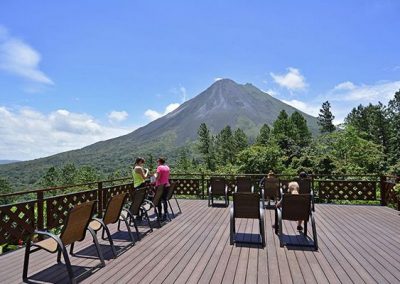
pixel 357 244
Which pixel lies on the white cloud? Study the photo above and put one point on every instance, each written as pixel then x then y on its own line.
pixel 217 79
pixel 153 115
pixel 18 58
pixel 271 92
pixel 183 92
pixel 28 134
pixel 304 107
pixel 364 94
pixel 117 116
pixel 345 86
pixel 292 80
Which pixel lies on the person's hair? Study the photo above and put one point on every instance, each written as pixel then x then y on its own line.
pixel 271 174
pixel 161 160
pixel 292 186
pixel 303 174
pixel 139 160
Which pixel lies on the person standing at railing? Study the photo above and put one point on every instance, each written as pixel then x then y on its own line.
pixel 139 173
pixel 162 178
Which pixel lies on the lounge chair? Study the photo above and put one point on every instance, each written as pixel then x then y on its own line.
pixel 296 207
pixel 171 194
pixel 157 199
pixel 112 215
pixel 246 205
pixel 270 191
pixel 218 188
pixel 137 207
pixel 244 184
pixel 74 229
pixel 306 188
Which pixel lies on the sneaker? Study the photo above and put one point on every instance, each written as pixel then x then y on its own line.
pixel 299 228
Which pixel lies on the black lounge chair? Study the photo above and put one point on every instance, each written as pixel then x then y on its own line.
pixel 270 191
pixel 75 226
pixel 157 199
pixel 137 208
pixel 306 188
pixel 171 194
pixel 218 188
pixel 246 205
pixel 112 215
pixel 244 184
pixel 295 207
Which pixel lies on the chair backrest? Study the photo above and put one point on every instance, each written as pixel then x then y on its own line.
pixel 158 195
pixel 137 197
pixel 171 190
pixel 296 206
pixel 243 184
pixel 271 187
pixel 114 208
pixel 304 185
pixel 217 185
pixel 246 205
pixel 77 221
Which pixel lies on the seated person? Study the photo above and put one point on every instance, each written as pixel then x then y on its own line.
pixel 293 188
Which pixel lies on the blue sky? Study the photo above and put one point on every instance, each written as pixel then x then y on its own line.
pixel 76 72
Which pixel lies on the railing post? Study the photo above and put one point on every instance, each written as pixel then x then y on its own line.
pixel 202 186
pixel 382 184
pixel 100 199
pixel 40 210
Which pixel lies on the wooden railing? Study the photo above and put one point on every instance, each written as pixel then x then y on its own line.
pixel 47 208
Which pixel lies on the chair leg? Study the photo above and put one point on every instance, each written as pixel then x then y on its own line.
pixel 232 228
pixel 129 230
pixel 209 200
pixel 119 226
pixel 26 260
pixel 262 232
pixel 58 256
pixel 136 228
pixel 105 228
pixel 148 221
pixel 276 222
pixel 280 229
pixel 314 229
pixel 102 233
pixel 71 249
pixel 96 243
pixel 177 204
pixel 170 207
pixel 305 228
pixel 158 217
pixel 68 264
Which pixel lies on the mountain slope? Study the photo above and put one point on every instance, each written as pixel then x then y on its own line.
pixel 223 103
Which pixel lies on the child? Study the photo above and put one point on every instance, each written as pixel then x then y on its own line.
pixel 293 188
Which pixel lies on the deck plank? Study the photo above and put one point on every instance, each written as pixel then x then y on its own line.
pixel 357 244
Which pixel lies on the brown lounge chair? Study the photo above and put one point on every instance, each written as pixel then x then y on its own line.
pixel 246 205
pixel 171 194
pixel 244 184
pixel 157 199
pixel 296 207
pixel 138 202
pixel 112 215
pixel 270 191
pixel 218 188
pixel 74 229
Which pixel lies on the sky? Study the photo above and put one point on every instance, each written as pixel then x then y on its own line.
pixel 76 72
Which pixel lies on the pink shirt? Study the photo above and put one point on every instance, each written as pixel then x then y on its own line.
pixel 163 172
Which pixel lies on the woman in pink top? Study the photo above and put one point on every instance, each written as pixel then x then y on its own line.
pixel 162 178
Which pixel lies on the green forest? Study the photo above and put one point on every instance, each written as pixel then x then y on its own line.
pixel 368 142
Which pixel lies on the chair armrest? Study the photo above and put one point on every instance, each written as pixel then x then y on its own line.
pixel 312 201
pixel 209 190
pixel 252 189
pixel 226 189
pixel 236 188
pixel 50 235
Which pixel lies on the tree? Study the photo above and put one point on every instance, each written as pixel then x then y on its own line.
pixel 225 146
pixel 184 163
pixel 260 159
pixel 394 118
pixel 205 146
pixel 301 133
pixel 240 140
pixel 51 178
pixel 325 118
pixel 264 135
pixel 5 187
pixel 283 135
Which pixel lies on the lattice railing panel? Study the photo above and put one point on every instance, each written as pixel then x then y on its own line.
pixel 346 190
pixel 187 186
pixel 115 190
pixel 17 221
pixel 390 195
pixel 57 207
